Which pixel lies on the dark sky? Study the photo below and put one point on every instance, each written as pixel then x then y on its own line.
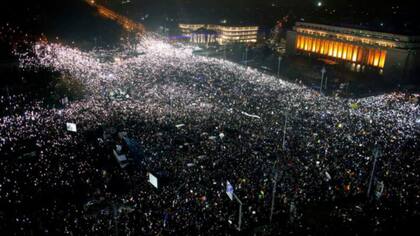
pixel 73 20
pixel 393 15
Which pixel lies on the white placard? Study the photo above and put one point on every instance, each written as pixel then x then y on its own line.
pixel 153 180
pixel 71 127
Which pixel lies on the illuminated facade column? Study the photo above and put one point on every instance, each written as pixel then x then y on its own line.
pixel 382 60
pixel 374 57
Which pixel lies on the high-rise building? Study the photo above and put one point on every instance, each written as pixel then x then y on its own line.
pixel 395 56
pixel 225 34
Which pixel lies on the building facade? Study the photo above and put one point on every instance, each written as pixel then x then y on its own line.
pixel 204 36
pixel 224 34
pixel 394 56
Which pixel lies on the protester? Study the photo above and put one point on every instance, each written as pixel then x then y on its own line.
pixel 200 122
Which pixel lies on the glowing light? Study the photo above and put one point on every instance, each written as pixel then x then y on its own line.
pixel 342 50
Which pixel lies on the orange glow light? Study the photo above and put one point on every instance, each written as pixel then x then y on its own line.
pixel 342 50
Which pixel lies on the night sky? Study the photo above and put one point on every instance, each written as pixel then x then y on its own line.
pixel 391 16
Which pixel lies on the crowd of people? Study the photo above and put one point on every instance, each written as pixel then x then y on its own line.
pixel 335 163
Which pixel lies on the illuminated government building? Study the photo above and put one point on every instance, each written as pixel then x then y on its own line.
pixel 221 34
pixel 394 56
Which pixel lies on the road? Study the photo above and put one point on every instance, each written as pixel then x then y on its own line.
pixel 124 21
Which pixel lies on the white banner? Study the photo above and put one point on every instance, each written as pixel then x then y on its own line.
pixel 71 127
pixel 153 180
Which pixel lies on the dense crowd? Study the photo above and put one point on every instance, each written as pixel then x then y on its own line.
pixel 201 122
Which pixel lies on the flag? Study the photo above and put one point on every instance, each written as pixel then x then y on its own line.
pixel 165 219
pixel 354 105
pixel 261 195
pixel 229 190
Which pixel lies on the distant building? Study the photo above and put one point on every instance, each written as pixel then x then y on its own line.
pixel 224 34
pixel 204 36
pixel 394 56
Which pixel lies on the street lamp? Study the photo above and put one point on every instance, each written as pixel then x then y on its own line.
pixel 284 132
pixel 273 197
pixel 278 67
pixel 240 212
pixel 246 56
pixel 323 71
pixel 376 152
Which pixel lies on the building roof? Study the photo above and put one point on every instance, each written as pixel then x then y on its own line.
pixel 363 28
pixel 360 32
